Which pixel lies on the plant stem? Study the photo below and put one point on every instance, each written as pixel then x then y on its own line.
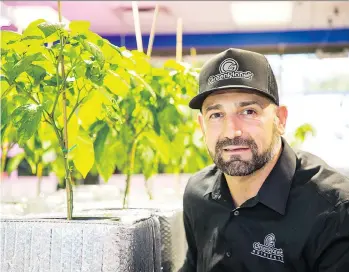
pixel 57 132
pixel 66 146
pixel 39 176
pixel 129 173
pixel 4 151
pixel 127 190
pixel 76 105
pixel 131 167
pixel 5 148
pixel 148 189
pixel 68 182
pixel 28 94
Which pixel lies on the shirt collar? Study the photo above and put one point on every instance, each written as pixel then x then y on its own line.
pixel 215 182
pixel 276 188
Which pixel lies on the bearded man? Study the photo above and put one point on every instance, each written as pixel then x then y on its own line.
pixel 262 206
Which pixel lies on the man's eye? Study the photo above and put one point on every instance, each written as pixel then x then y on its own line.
pixel 215 115
pixel 249 112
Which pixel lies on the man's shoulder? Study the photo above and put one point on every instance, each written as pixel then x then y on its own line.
pixel 324 181
pixel 200 181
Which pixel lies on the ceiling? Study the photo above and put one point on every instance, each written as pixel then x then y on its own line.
pixel 210 25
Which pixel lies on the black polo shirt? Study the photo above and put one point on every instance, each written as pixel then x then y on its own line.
pixel 298 221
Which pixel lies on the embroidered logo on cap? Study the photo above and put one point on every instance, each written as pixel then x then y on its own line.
pixel 228 69
pixel 268 250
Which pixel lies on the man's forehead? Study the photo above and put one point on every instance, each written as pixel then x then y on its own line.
pixel 235 96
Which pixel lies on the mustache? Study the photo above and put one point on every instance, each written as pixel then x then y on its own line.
pixel 235 141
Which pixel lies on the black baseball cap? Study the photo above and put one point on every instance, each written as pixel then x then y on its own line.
pixel 236 69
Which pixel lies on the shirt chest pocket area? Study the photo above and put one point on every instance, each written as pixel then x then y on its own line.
pixel 211 244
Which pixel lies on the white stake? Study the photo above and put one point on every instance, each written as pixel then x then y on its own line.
pixel 179 40
pixel 152 32
pixel 137 26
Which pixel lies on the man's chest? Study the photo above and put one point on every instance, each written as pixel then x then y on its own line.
pixel 247 241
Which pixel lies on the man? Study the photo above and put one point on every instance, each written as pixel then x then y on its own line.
pixel 261 206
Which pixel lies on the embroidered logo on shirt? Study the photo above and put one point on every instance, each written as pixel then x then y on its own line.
pixel 268 250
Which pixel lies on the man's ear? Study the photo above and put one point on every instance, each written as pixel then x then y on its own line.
pixel 281 113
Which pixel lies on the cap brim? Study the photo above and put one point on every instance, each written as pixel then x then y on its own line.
pixel 197 101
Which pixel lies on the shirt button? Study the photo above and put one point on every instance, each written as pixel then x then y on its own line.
pixel 236 213
pixel 228 254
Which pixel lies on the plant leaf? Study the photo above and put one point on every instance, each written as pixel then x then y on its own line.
pixel 73 130
pixel 92 109
pixel 33 30
pixel 105 156
pixel 14 162
pixel 172 64
pixel 83 155
pixel 155 113
pixel 26 119
pixel 159 144
pixel 37 73
pixel 22 65
pixel 94 50
pixel 79 27
pixel 111 53
pixel 50 28
pixel 4 84
pixel 46 133
pixel 143 66
pixel 9 37
pixel 116 84
pixel 4 112
pixel 58 167
pixel 148 164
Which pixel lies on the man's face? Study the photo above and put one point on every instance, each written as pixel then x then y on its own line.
pixel 242 130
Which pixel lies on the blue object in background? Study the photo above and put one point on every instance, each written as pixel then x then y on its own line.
pixel 293 38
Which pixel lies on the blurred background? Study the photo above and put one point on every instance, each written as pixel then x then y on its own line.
pixel 306 42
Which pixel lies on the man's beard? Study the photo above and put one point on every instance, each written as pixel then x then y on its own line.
pixel 236 166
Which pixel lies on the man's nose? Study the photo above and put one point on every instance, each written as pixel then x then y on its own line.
pixel 232 127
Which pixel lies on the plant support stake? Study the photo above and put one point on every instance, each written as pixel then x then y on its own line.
pixel 152 32
pixel 179 40
pixel 137 26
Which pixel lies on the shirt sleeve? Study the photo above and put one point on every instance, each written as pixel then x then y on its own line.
pixel 329 245
pixel 191 255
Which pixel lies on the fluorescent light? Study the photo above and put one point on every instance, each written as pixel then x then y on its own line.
pixel 263 12
pixel 22 16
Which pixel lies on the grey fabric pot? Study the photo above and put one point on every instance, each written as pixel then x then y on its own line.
pixel 173 241
pixel 129 242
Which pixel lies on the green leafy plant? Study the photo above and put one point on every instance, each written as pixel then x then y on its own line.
pixel 40 155
pixel 93 104
pixel 177 146
pixel 67 85
pixel 301 134
pixel 141 133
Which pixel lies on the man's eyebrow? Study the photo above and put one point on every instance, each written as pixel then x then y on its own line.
pixel 248 103
pixel 237 104
pixel 213 107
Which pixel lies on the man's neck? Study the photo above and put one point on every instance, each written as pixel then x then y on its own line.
pixel 243 188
